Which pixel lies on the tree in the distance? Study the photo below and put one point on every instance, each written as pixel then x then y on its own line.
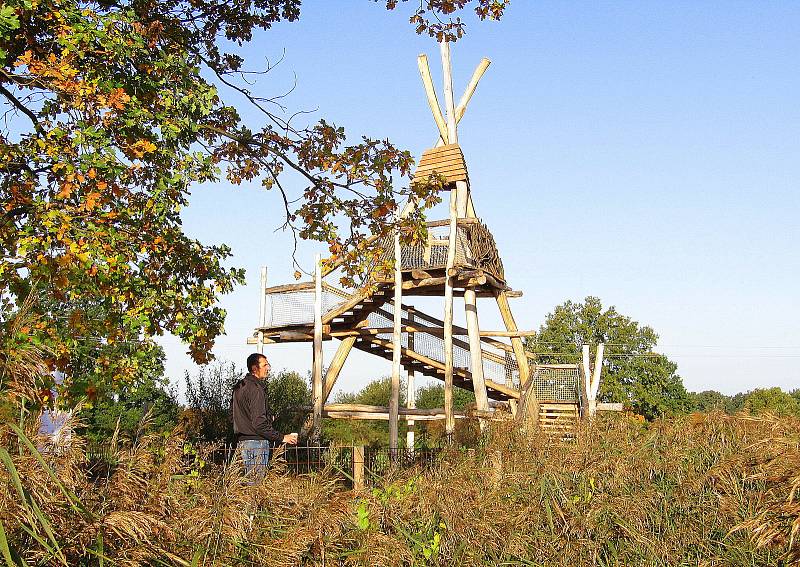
pixel 367 432
pixel 709 400
pixel 208 400
pixel 771 400
pixel 632 372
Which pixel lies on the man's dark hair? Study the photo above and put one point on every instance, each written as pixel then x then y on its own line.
pixel 253 360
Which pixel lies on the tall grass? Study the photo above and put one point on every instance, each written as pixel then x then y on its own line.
pixel 701 490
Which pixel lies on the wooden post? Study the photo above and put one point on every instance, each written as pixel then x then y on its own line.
pixel 329 380
pixel 591 379
pixel 462 190
pixel 411 393
pixel 595 383
pixel 430 93
pixel 451 256
pixel 316 371
pixel 358 467
pixel 336 365
pixel 475 350
pixel 394 401
pixel 470 90
pixel 586 383
pixel 516 342
pixel 262 309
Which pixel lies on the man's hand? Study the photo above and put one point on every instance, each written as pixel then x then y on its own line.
pixel 290 439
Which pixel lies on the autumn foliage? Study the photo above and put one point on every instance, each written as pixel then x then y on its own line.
pixel 112 117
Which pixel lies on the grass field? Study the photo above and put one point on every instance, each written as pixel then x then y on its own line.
pixel 699 490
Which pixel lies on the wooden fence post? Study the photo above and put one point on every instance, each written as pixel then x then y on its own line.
pixel 358 467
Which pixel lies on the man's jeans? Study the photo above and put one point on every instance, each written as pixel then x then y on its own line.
pixel 255 456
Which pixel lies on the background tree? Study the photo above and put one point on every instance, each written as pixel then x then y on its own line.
pixel 376 433
pixel 364 432
pixel 644 380
pixel 771 400
pixel 150 407
pixel 709 400
pixel 432 396
pixel 287 391
pixel 208 402
pixel 112 115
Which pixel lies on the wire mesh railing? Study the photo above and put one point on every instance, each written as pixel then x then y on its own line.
pixel 344 463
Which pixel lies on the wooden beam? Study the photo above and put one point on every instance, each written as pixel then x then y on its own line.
pixel 394 401
pixel 316 372
pixel 447 322
pixel 459 330
pixel 262 309
pixel 463 374
pixel 470 90
pixel 438 331
pixel 382 409
pixel 516 342
pixel 586 383
pixel 430 93
pixel 411 392
pixel 336 365
pixel 382 416
pixel 475 350
pixel 462 190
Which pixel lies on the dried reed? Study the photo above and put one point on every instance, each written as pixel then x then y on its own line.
pixel 700 490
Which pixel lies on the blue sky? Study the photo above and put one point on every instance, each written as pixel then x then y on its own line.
pixel 645 153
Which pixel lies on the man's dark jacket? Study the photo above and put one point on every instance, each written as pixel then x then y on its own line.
pixel 251 418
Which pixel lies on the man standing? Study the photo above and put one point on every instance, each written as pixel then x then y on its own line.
pixel 252 422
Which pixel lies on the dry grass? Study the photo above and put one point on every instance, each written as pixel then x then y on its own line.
pixel 700 490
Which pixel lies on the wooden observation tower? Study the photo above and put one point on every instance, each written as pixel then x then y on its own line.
pixel 459 259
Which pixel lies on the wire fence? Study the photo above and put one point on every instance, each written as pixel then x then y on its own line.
pixel 344 463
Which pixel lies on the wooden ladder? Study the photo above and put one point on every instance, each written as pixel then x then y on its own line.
pixel 558 419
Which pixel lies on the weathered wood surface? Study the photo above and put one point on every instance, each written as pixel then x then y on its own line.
pixel 430 93
pixel 316 371
pixel 337 363
pixel 516 342
pixel 438 331
pixel 446 161
pixel 394 401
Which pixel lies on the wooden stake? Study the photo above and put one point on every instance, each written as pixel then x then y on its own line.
pixel 397 345
pixel 316 371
